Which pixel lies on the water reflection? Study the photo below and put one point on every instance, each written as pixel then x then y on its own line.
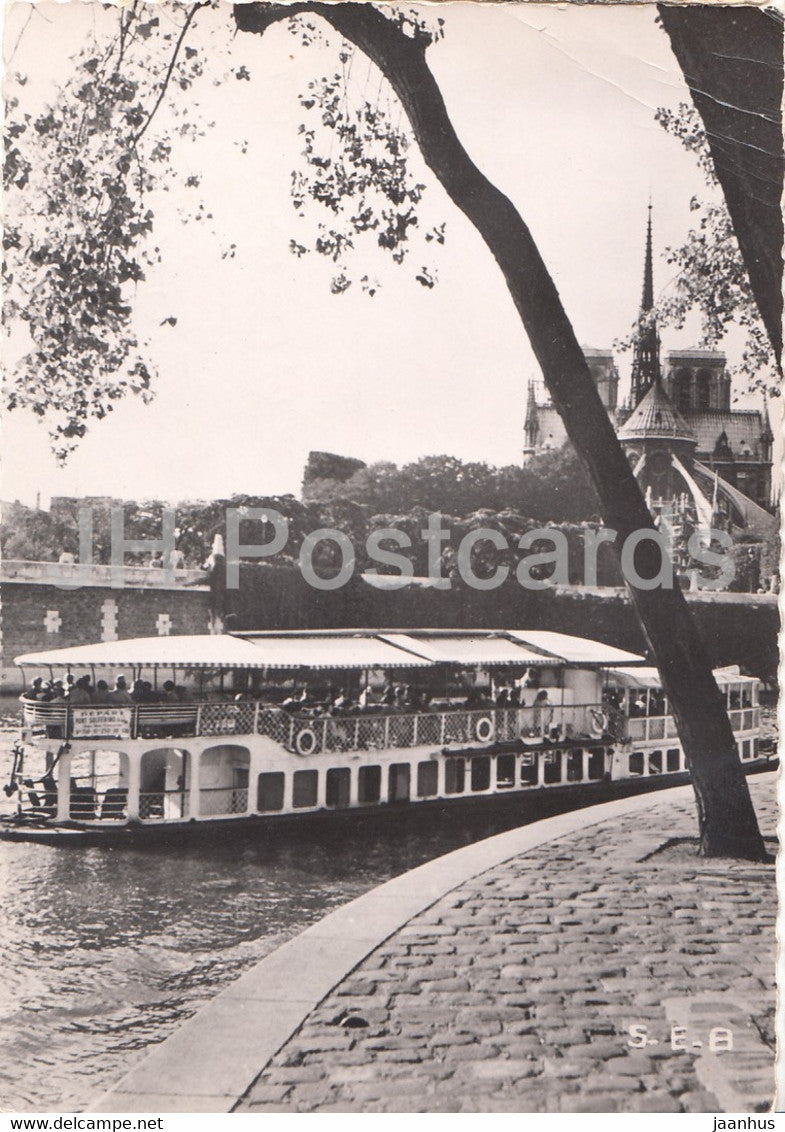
pixel 105 950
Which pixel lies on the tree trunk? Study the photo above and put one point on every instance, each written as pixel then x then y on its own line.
pixel 727 822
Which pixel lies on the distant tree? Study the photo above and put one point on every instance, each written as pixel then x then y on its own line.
pixel 555 487
pixel 328 466
pixel 34 535
pixel 376 487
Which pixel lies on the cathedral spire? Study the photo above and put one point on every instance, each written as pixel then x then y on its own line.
pixel 646 360
pixel 647 300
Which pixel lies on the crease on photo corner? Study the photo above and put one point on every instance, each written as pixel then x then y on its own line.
pixel 779 1064
pixel 767 5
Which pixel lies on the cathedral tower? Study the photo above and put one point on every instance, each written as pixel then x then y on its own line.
pixel 646 359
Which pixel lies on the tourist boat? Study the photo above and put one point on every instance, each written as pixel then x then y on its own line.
pixel 256 728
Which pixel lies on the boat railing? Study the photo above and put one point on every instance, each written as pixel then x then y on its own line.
pixel 480 726
pixel 650 728
pixel 306 733
pixel 163 804
pixel 215 800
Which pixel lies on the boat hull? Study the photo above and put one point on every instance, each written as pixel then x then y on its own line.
pixel 520 807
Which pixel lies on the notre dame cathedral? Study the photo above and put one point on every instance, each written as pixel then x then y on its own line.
pixel 688 448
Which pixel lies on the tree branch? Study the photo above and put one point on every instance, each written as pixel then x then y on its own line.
pixel 169 71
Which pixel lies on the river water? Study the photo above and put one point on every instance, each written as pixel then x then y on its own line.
pixel 106 950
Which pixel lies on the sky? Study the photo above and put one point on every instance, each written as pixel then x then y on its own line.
pixel 556 106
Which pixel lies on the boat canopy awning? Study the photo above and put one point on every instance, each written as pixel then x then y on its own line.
pixel 635 677
pixel 330 651
pixel 198 651
pixel 731 674
pixel 650 678
pixel 466 649
pixel 576 650
pixel 333 649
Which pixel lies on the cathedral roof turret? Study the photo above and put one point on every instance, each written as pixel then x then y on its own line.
pixel 656 417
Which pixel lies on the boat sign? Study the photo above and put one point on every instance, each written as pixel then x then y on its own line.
pixel 92 722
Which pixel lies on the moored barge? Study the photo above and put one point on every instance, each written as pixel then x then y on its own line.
pixel 200 731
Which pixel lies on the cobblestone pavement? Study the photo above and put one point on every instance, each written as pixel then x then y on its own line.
pixel 516 992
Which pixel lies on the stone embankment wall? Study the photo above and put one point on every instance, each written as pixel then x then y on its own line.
pixel 37 614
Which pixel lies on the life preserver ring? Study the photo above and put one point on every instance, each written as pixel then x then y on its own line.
pixel 599 723
pixel 305 741
pixel 484 729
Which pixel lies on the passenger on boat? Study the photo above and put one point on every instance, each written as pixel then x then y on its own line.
pixel 101 694
pixel 542 712
pixel 120 693
pixel 141 692
pixel 170 692
pixel 53 690
pixel 79 693
pixel 638 706
pixel 35 691
pixel 532 679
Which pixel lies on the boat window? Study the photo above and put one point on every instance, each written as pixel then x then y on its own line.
pixel 528 769
pixel 269 795
pixel 398 782
pixel 481 773
pixel 746 752
pixel 735 698
pixel 575 765
pixel 552 768
pixel 636 762
pixel 755 748
pixel 505 771
pixel 338 786
pixel 746 696
pixel 655 762
pixel 99 787
pixel 305 787
pixel 454 776
pixel 369 784
pixel 673 759
pixel 597 762
pixel 223 787
pixel 427 779
pixel 164 779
